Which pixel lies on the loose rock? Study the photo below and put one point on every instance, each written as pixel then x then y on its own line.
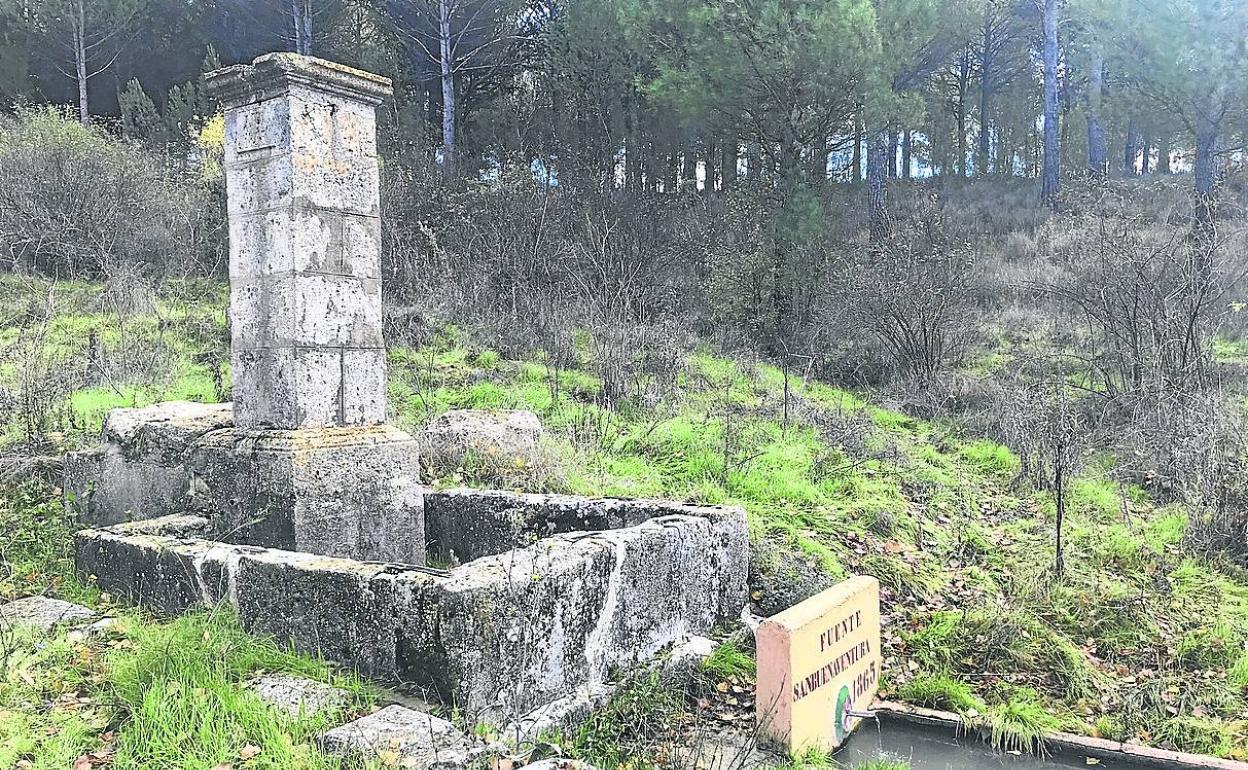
pixel 407 738
pixel 497 438
pixel 298 696
pixel 42 612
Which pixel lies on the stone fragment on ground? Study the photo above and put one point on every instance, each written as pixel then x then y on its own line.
pixel 557 716
pixel 724 749
pixel 42 612
pixel 297 696
pixel 409 739
pixel 685 659
pixel 559 763
pixel 505 437
pixel 102 627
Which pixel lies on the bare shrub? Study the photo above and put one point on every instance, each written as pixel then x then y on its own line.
pixel 917 296
pixel 1152 300
pixel 1192 447
pixel 77 203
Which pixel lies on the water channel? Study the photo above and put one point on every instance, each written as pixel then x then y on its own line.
pixel 928 748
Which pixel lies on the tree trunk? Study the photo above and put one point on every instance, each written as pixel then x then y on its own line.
pixel 857 157
pixel 689 165
pixel 1205 171
pixel 80 63
pixel 449 160
pixel 877 187
pixel 710 165
pixel 1052 151
pixel 892 152
pixel 301 21
pixel 1059 493
pixel 819 162
pixel 1146 154
pixel 753 161
pixel 964 87
pixel 1130 150
pixel 1097 163
pixel 728 171
pixel 985 111
pixel 906 148
pixel 1163 154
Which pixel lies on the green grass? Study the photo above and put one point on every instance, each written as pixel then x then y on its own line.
pixel 148 693
pixel 1020 723
pixel 727 662
pixel 942 691
pixel 963 549
pixel 181 686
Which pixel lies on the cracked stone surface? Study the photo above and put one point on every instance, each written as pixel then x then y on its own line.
pixel 418 741
pixel 296 695
pixel 42 612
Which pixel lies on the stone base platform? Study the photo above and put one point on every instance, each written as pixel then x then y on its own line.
pixel 555 597
pixel 340 491
pixel 331 491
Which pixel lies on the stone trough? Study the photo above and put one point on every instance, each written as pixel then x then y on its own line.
pixel 555 596
pixel 299 507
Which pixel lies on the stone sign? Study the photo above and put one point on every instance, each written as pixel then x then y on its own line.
pixel 819 665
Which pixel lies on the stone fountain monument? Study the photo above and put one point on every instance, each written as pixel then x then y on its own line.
pixel 300 508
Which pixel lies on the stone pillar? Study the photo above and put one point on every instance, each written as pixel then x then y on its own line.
pixel 305 242
pixel 309 463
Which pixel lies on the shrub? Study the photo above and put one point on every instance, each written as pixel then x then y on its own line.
pixel 916 296
pixel 75 202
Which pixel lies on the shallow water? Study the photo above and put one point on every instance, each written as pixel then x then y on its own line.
pixel 927 748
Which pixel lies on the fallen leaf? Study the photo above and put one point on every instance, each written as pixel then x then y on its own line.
pixel 82 763
pixel 250 751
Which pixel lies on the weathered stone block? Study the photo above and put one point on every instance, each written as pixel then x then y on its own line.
pixel 305 240
pixel 302 183
pixel 525 627
pixel 290 388
pixel 351 492
pixel 499 636
pixel 139 471
pixel 259 184
pixel 155 571
pixel 323 605
pixel 258 130
pixel 305 310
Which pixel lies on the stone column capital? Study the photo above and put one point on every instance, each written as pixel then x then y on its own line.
pixel 274 74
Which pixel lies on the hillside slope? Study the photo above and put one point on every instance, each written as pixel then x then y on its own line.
pixel 1138 639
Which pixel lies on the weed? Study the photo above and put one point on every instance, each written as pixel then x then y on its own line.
pixel 1020 724
pixel 991 459
pixel 182 688
pixel 36 553
pixel 728 661
pixel 628 729
pixel 943 692
pixel 1197 735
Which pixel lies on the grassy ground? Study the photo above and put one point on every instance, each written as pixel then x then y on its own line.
pixel 1138 639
